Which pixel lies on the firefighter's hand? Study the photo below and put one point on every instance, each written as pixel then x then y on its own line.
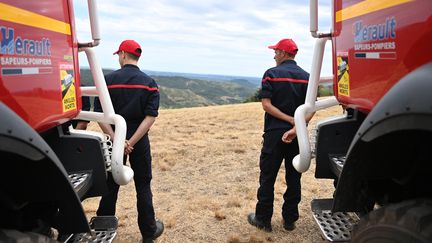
pixel 289 135
pixel 128 147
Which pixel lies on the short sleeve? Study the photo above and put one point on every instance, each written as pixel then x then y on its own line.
pixel 151 104
pixel 266 87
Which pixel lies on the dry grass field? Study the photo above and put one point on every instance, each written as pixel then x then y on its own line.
pixel 205 178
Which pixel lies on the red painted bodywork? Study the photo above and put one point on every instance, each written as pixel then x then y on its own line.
pixel 370 78
pixel 37 98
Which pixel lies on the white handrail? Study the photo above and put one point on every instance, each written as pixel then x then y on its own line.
pixel 89 91
pixel 94 20
pixel 121 174
pixel 313 15
pixel 94 25
pixel 313 22
pixel 301 162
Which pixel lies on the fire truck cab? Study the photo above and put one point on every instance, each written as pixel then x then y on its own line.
pixel 48 168
pixel 377 151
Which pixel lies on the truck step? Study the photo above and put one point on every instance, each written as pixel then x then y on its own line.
pixel 337 163
pixel 335 227
pixel 103 229
pixel 81 182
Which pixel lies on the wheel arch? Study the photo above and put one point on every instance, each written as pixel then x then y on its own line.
pixel 32 174
pixel 391 143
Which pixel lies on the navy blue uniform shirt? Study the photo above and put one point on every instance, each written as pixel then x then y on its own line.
pixel 133 93
pixel 285 85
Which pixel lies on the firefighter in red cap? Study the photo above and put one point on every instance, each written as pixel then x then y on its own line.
pixel 283 90
pixel 135 96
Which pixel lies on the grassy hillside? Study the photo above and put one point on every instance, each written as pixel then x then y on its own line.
pixel 179 92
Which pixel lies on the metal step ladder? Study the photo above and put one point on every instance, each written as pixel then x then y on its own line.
pixel 335 227
pixel 81 182
pixel 103 229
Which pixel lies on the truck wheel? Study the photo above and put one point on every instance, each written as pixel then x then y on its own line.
pixel 12 236
pixel 409 221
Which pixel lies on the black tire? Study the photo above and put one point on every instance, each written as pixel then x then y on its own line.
pixel 15 236
pixel 409 221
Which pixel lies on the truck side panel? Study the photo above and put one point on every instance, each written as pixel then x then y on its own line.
pixel 39 79
pixel 376 43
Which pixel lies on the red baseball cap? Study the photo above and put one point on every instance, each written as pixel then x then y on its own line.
pixel 130 46
pixel 286 45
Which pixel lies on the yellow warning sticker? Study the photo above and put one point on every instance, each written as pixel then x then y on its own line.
pixel 68 90
pixel 343 76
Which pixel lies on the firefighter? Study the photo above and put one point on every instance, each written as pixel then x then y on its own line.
pixel 135 96
pixel 283 90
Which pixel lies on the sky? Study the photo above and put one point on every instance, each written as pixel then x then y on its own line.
pixel 205 37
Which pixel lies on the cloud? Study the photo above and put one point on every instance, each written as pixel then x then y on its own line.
pixel 220 37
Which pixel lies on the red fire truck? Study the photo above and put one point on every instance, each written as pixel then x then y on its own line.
pixel 377 151
pixel 47 168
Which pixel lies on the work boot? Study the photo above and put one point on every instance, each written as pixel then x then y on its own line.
pixel 159 230
pixel 266 226
pixel 289 226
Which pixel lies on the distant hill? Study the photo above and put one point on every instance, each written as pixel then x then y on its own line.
pixel 209 77
pixel 181 91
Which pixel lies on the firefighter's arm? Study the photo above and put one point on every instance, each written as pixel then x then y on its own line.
pixel 143 128
pixel 107 129
pixel 289 135
pixel 275 112
pixel 81 125
pixel 151 106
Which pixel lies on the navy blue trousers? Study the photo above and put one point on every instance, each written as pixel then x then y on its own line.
pixel 140 161
pixel 272 154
